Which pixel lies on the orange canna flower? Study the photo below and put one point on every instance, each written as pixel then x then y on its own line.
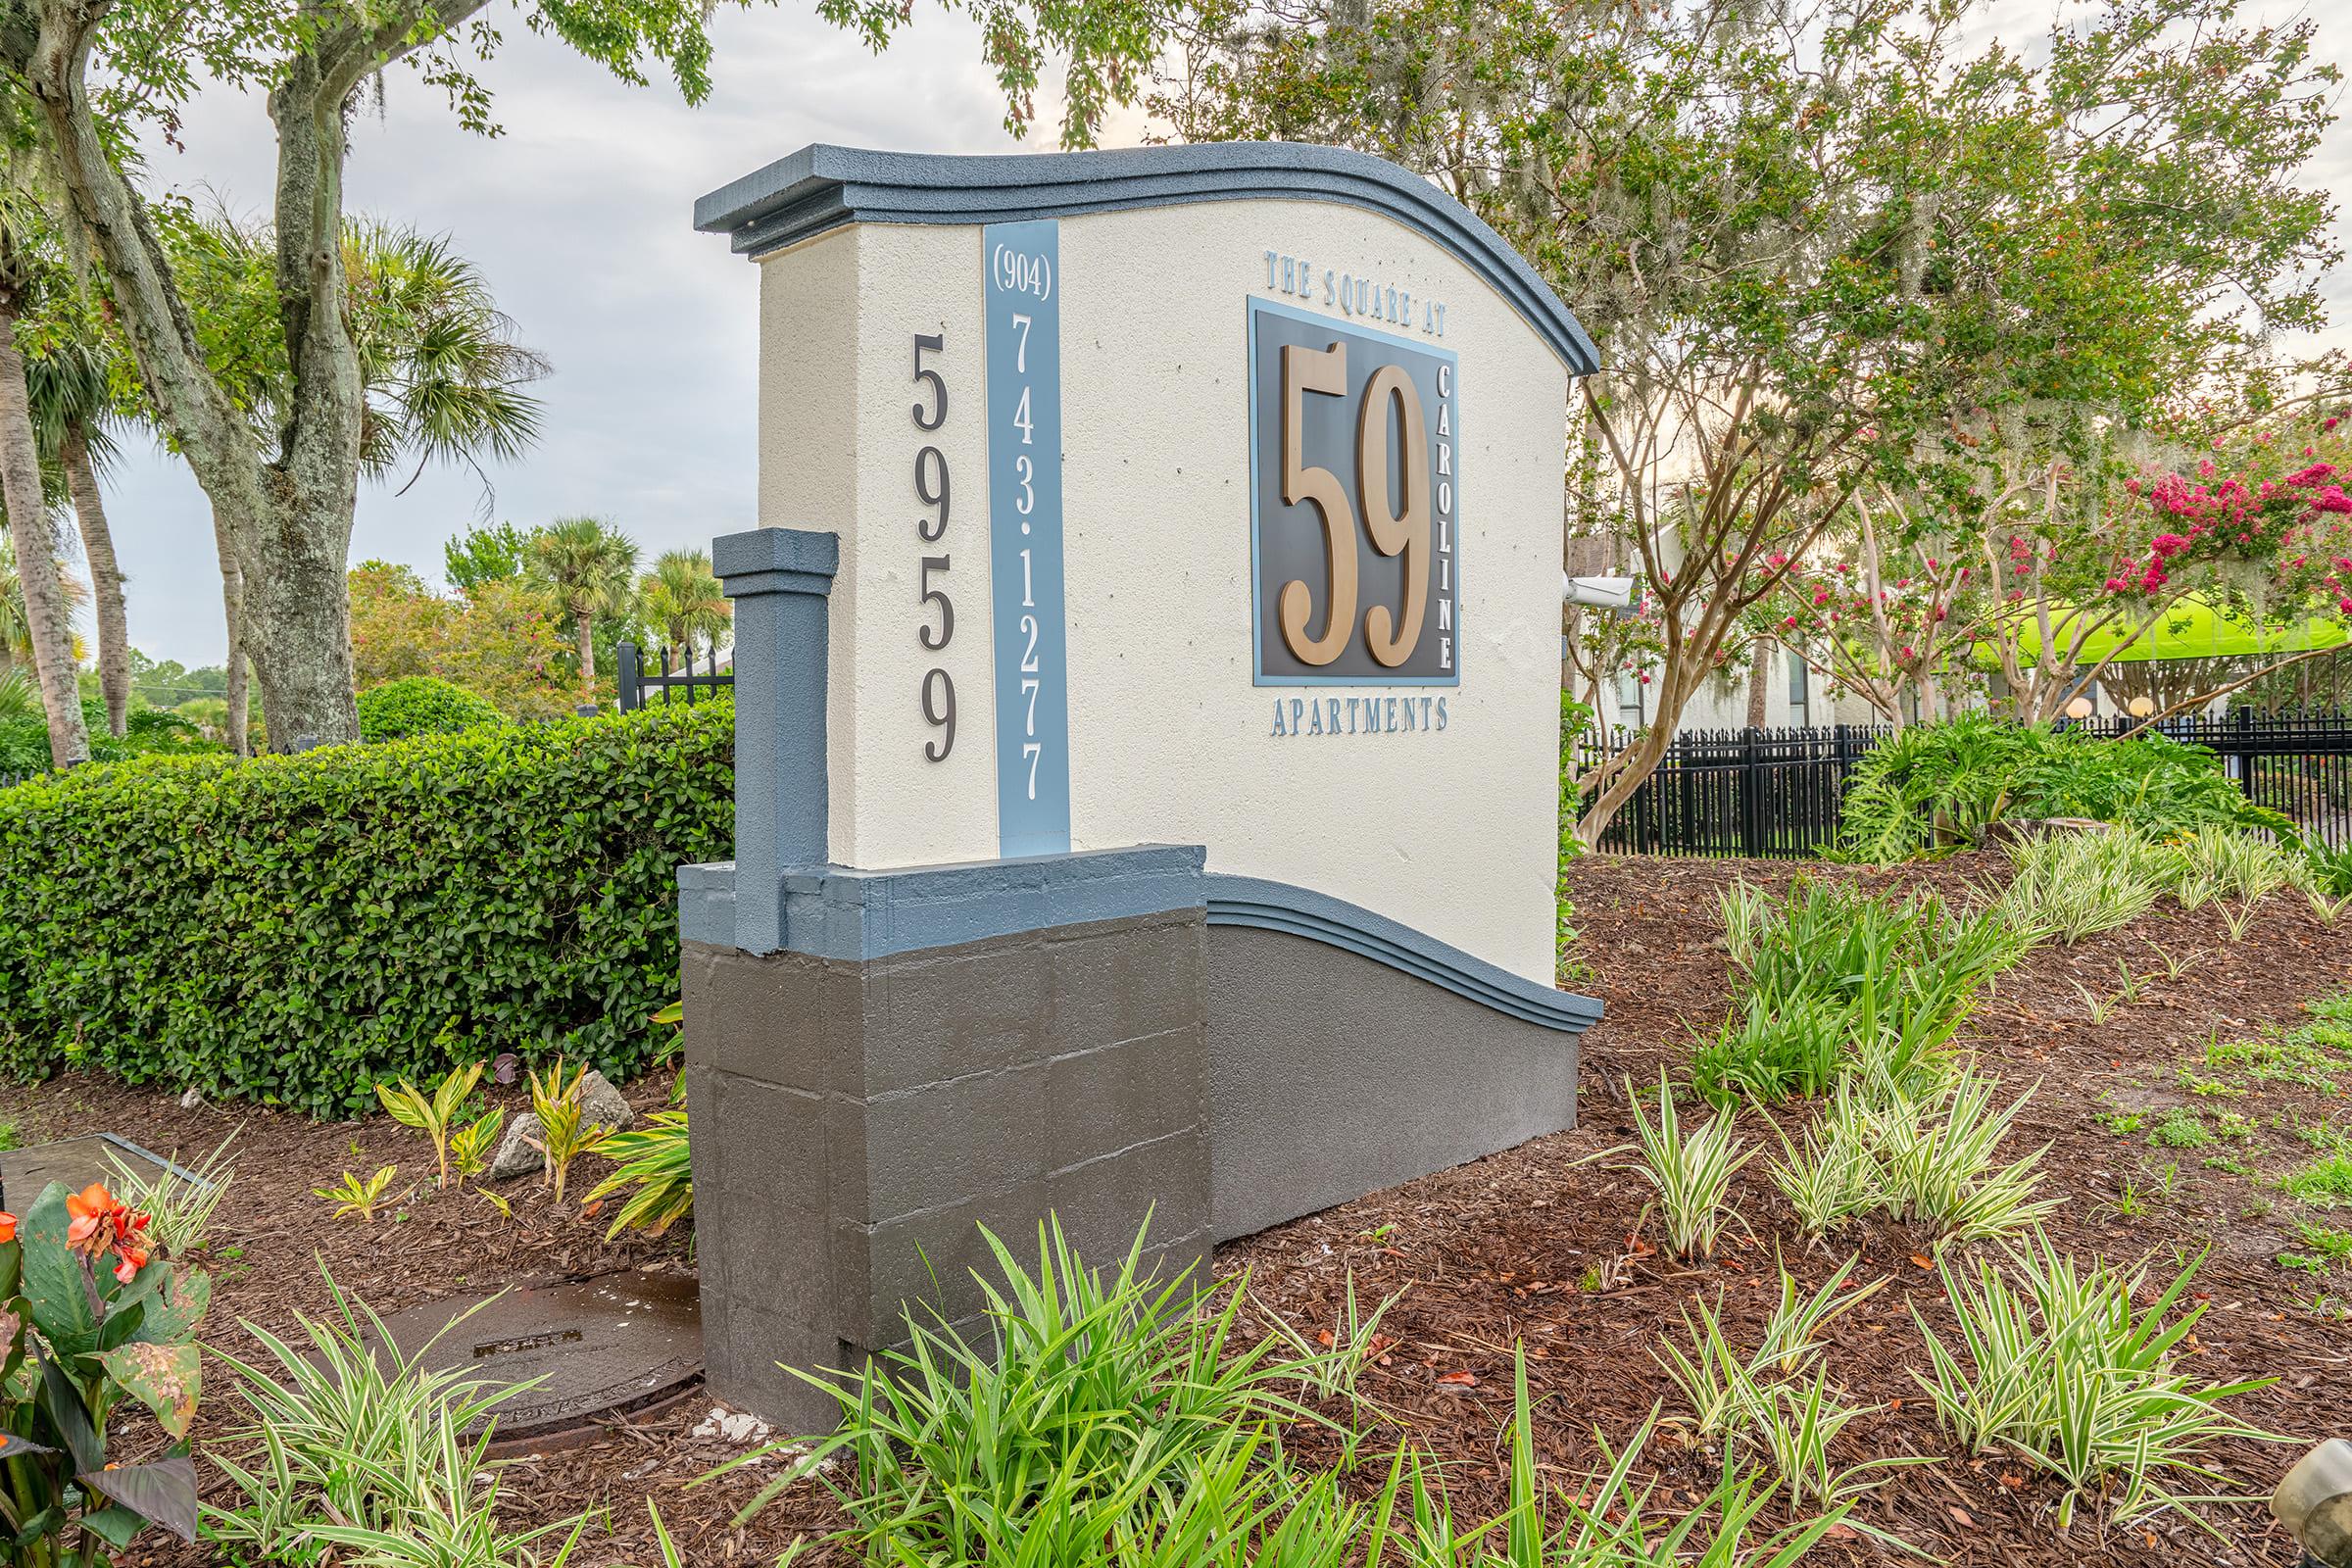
pixel 101 1223
pixel 8 1227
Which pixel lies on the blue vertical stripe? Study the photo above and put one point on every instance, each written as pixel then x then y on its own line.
pixel 1024 270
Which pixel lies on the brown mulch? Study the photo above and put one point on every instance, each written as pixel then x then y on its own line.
pixel 1539 1245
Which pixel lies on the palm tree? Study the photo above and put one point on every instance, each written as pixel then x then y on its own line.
pixel 16 625
pixel 442 367
pixel 442 372
pixel 72 391
pixel 682 599
pixel 24 234
pixel 589 567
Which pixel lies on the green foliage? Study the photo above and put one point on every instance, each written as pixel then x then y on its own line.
pixel 1833 974
pixel 654 1161
pixel 358 1445
pixel 2326 1183
pixel 293 929
pixel 81 1330
pixel 2182 1128
pixel 421 705
pixel 434 1114
pixel 2331 871
pixel 1927 1157
pixel 359 1197
pixel 1125 1426
pixel 2329 1248
pixel 2073 885
pixel 179 1208
pixel 2063 1370
pixel 1691 1172
pixel 1092 1392
pixel 1575 719
pixel 484 552
pixel 148 732
pixel 565 1133
pixel 1937 786
pixel 472 1145
pixel 2216 862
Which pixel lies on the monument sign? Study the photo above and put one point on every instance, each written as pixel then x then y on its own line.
pixel 1146 722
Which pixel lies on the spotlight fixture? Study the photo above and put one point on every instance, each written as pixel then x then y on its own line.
pixel 2314 1503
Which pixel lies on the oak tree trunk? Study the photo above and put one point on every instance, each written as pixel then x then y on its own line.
pixel 287 511
pixel 233 605
pixel 46 615
pixel 106 577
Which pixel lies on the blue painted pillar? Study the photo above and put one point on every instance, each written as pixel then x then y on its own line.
pixel 780 579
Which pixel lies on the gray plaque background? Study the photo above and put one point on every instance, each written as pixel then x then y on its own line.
pixel 1287 540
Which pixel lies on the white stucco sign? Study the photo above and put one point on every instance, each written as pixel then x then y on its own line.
pixel 1203 495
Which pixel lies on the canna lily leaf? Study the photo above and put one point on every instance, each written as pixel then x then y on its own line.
pixel 55 1286
pixel 163 1492
pixel 62 1398
pixel 168 1321
pixel 165 1378
pixel 114 1525
pixel 12 1446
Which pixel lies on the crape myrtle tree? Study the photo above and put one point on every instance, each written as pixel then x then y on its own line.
pixel 2131 328
pixel 1736 199
pixel 1804 234
pixel 285 504
pixel 2063 575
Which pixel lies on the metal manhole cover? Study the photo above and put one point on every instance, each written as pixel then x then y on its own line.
pixel 26 1173
pixel 606 1347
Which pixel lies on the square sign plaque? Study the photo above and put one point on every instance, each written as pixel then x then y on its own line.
pixel 1354 486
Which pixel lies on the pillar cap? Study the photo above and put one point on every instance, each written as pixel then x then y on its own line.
pixel 758 551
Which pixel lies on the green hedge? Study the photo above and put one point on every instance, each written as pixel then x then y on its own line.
pixel 290 928
pixel 422 705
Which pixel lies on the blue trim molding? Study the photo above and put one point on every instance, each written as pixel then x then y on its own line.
pixel 838 912
pixel 823 187
pixel 1279 907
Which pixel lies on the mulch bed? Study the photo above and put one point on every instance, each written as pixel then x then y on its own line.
pixel 1539 1245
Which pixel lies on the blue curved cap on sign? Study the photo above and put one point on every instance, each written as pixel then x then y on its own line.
pixel 822 188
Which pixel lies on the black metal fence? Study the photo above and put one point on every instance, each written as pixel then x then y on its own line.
pixel 635 680
pixel 1776 794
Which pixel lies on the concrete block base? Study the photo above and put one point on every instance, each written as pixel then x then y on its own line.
pixel 1100 1037
pixel 868 1115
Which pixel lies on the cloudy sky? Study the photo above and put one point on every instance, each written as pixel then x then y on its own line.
pixel 580 215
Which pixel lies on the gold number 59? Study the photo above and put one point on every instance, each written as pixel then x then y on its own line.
pixel 1391 638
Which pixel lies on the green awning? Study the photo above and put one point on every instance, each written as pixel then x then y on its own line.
pixel 2190 629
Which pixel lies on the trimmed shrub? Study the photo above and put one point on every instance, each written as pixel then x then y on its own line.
pixel 422 705
pixel 291 929
pixel 1938 786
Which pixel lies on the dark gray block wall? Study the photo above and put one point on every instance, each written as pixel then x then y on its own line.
pixel 1332 1075
pixel 870 1115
